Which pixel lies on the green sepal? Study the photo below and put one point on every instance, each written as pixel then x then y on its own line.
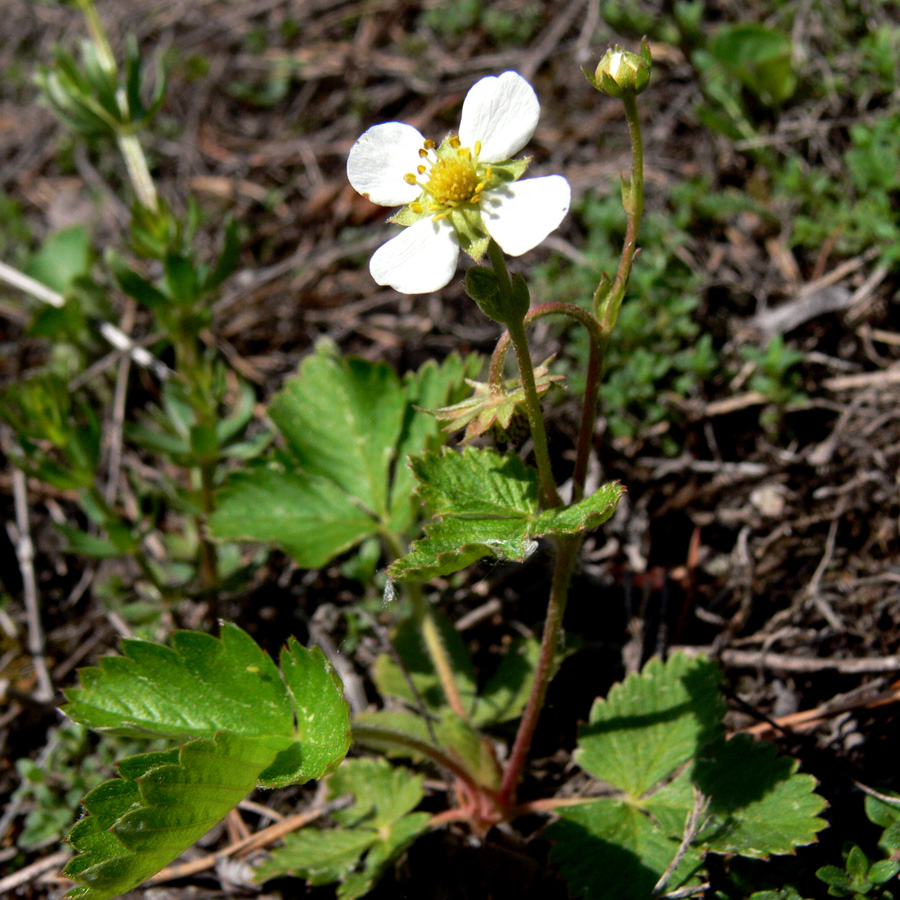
pixel 482 287
pixel 506 172
pixel 471 232
pixel 520 298
pixel 407 216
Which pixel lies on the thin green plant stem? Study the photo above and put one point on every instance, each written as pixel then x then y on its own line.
pixel 568 547
pixel 516 329
pixel 431 635
pixel 208 556
pixel 608 300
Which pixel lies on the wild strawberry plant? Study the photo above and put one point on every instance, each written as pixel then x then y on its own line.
pixel 356 454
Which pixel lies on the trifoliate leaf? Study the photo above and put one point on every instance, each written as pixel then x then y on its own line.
pixel 379 824
pixel 247 725
pixel 659 738
pixel 486 505
pixel 382 793
pixel 348 424
pixel 652 723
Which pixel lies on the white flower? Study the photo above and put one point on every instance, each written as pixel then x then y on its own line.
pixel 462 193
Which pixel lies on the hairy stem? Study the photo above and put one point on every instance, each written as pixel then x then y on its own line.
pixel 608 298
pixel 568 547
pixel 380 738
pixel 516 329
pixel 607 302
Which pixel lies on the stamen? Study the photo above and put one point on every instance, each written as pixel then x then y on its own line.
pixel 409 178
pixel 416 207
pixel 455 142
pixel 430 145
pixel 423 153
pixel 478 148
pixel 420 170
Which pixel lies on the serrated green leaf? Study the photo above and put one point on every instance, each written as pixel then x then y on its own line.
pixel 585 515
pixel 321 718
pixel 659 738
pixel 476 484
pixel 652 723
pixel 247 723
pixel 759 804
pixel 161 804
pixel 611 849
pixel 379 824
pixel 486 505
pixel 348 425
pixel 341 418
pixel 310 518
pixel 453 544
pixel 200 686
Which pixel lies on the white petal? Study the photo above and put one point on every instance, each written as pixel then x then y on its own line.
pixel 520 215
pixel 379 160
pixel 501 112
pixel 421 259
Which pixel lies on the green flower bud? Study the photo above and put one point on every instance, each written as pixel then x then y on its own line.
pixel 622 72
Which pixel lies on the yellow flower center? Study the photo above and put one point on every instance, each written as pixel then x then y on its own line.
pixel 454 179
